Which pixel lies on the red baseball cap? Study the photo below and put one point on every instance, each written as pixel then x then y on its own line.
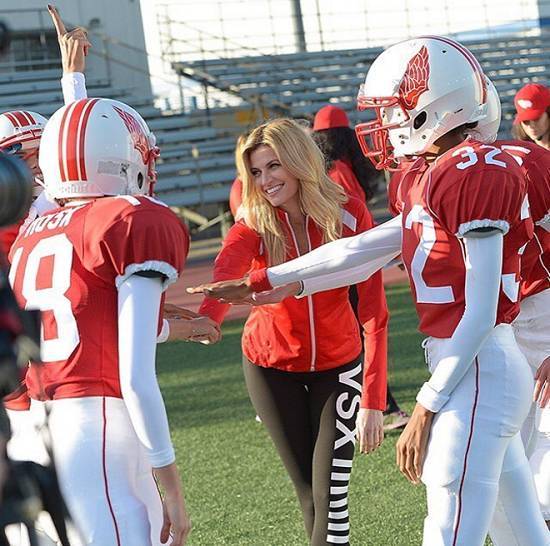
pixel 531 101
pixel 330 117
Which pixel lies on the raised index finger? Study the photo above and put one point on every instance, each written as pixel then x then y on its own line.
pixel 57 22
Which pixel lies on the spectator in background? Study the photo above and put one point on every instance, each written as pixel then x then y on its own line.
pixel 348 167
pixel 346 164
pixel 532 120
pixel 303 361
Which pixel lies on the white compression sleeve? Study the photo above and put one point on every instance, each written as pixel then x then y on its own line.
pixel 73 85
pixel 483 271
pixel 378 245
pixel 138 310
pixel 348 277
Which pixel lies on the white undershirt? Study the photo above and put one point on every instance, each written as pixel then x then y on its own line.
pixel 74 87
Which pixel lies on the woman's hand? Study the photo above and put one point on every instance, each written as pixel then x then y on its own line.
pixel 542 384
pixel 411 446
pixel 74 45
pixel 233 291
pixel 370 429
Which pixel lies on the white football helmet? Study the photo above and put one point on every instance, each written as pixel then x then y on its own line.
pixel 487 128
pixel 20 132
pixel 97 147
pixel 419 89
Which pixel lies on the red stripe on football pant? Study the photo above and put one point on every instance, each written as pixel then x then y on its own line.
pixel 82 139
pixel 465 465
pixel 105 478
pixel 60 152
pixel 72 140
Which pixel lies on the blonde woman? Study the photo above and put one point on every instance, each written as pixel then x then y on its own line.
pixel 302 357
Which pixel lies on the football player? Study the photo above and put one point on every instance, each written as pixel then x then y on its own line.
pixel 531 325
pixel 464 220
pixel 97 268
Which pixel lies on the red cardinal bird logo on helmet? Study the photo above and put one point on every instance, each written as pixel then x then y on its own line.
pixel 415 79
pixel 141 144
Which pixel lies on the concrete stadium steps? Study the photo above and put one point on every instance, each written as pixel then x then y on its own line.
pixel 29 76
pixel 303 82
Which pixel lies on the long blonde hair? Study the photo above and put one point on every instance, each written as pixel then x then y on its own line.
pixel 320 198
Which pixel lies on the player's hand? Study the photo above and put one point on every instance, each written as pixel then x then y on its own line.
pixel 542 384
pixel 411 446
pixel 176 522
pixel 234 291
pixel 370 429
pixel 74 45
pixel 201 329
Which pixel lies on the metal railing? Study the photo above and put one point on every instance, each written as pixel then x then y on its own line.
pixel 236 28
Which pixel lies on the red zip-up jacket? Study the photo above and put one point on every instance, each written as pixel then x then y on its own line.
pixel 313 333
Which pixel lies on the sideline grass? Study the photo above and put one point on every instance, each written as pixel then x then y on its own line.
pixel 237 489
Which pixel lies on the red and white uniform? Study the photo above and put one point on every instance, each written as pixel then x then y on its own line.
pixel 315 333
pixel 534 162
pixel 470 186
pixel 474 455
pixel 70 264
pixel 531 327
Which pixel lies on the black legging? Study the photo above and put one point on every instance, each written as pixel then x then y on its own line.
pixel 310 417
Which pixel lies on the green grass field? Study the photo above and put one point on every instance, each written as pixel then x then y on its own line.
pixel 237 489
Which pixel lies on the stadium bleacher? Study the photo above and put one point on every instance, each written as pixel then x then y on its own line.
pixel 196 166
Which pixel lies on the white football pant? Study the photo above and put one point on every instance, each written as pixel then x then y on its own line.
pixel 532 331
pixel 475 446
pixel 104 472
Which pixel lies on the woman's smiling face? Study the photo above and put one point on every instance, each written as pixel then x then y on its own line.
pixel 278 185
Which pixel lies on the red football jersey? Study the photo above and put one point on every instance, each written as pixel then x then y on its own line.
pixel 534 161
pixel 472 185
pixel 8 236
pixel 68 263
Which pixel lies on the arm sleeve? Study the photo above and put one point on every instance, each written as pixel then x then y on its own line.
pixel 342 257
pixel 483 269
pixel 73 85
pixel 138 308
pixel 239 249
pixel 373 315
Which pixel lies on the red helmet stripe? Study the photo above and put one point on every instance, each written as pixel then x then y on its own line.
pixel 471 59
pixel 82 137
pixel 60 142
pixel 23 121
pixel 12 118
pixel 28 115
pixel 72 140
